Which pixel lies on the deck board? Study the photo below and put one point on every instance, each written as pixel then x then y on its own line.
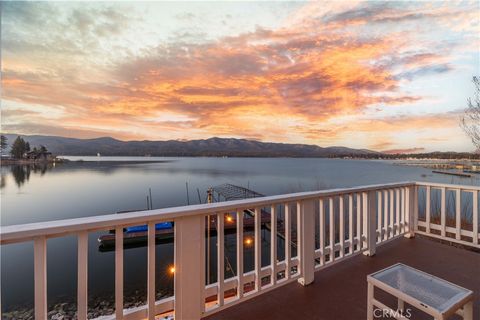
pixel 340 292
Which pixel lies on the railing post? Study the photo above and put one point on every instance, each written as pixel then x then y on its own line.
pixel 82 282
pixel 369 222
pixel 189 267
pixel 475 217
pixel 119 276
pixel 411 198
pixel 307 235
pixel 40 276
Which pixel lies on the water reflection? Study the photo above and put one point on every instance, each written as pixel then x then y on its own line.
pixel 21 173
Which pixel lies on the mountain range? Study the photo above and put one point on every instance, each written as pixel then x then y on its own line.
pixel 216 147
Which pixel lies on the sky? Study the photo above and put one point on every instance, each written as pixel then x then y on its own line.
pixel 387 76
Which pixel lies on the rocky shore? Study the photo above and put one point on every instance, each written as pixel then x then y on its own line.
pixel 98 308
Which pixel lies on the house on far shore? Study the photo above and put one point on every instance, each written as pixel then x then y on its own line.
pixel 39 155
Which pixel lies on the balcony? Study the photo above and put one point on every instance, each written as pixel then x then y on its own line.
pixel 334 239
pixel 340 292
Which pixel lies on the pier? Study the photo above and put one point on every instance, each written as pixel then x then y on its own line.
pixel 458 174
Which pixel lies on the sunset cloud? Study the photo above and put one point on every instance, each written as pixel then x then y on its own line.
pixel 319 75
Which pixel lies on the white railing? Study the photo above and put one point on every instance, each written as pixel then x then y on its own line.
pixel 450 212
pixel 331 225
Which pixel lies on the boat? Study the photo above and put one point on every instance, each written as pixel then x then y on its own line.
pixel 137 236
pixel 472 171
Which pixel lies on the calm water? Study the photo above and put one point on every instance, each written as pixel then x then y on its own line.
pixel 107 185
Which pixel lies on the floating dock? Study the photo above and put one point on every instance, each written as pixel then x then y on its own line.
pixel 139 238
pixel 458 174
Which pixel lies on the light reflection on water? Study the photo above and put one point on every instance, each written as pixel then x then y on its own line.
pixel 80 189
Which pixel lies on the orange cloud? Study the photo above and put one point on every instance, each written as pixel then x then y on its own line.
pixel 294 83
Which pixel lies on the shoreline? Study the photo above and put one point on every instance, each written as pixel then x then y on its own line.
pixel 98 308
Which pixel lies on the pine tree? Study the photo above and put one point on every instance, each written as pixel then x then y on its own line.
pixel 18 148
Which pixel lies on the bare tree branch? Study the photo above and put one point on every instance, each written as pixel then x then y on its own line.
pixel 470 121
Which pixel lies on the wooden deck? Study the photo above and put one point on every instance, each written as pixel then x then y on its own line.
pixel 340 292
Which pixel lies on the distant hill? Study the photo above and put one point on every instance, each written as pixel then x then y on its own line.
pixel 209 147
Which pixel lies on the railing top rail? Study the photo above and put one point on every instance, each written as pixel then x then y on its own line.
pixel 26 232
pixel 448 186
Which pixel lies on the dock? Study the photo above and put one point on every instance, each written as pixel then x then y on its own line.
pixel 458 174
pixel 138 239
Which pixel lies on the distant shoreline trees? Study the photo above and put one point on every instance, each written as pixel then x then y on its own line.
pixel 3 143
pixel 20 148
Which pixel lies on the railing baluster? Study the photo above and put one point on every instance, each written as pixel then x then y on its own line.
pixel 403 210
pixel 118 273
pixel 410 216
pixel 415 209
pixel 82 277
pixel 397 211
pixel 273 244
pixel 359 221
pixel 475 216
pixel 458 217
pixel 442 213
pixel 332 229
pixel 385 215
pixel 299 236
pixel 151 271
pixel 427 208
pixel 365 221
pixel 350 222
pixel 342 225
pixel 390 200
pixel 240 253
pixel 288 239
pixel 379 216
pixel 220 257
pixel 369 222
pixel 321 233
pixel 40 276
pixel 258 249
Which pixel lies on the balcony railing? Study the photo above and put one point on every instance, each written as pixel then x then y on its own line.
pixel 330 226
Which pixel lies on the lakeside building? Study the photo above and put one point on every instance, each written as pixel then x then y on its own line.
pixel 39 155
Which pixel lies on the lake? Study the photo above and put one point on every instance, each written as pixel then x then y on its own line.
pixel 101 185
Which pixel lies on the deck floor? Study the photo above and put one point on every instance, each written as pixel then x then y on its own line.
pixel 340 292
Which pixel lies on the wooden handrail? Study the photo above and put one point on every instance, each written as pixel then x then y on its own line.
pixel 57 228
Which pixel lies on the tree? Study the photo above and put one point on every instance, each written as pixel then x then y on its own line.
pixel 3 143
pixel 43 148
pixel 18 148
pixel 27 146
pixel 470 121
